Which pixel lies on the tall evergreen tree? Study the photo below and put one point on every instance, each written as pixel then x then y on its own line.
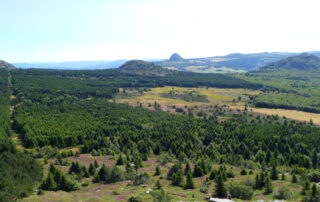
pixel 158 185
pixel 197 171
pixel 306 187
pixel 157 171
pixel 120 161
pixel 177 178
pixel 187 169
pixel 294 178
pixel 189 182
pixel 274 173
pixel 96 165
pixel 116 175
pixel 103 173
pixel 268 186
pixel 220 190
pixel 314 191
pixel 92 169
pixel 49 183
pixel 315 160
pixel 257 182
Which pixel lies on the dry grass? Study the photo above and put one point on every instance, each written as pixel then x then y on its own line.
pixel 291 114
pixel 215 96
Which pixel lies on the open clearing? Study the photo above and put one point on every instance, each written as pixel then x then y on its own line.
pixel 234 98
pixel 291 114
pixel 215 96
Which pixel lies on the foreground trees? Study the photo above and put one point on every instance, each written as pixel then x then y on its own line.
pixel 19 171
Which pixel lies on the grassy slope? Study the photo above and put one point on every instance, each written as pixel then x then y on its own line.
pixel 120 191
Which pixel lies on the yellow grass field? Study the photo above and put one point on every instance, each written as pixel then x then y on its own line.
pixel 215 96
pixel 291 114
pixel 218 96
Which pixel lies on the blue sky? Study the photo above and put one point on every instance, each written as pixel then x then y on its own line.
pixel 69 30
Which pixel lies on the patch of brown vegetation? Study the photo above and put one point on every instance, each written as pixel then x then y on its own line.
pixel 86 159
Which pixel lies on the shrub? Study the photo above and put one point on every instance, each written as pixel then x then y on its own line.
pixel 230 173
pixel 283 193
pixel 140 179
pixel 314 176
pixel 135 199
pixel 240 191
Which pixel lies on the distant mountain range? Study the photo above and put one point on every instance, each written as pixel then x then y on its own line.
pixel 235 62
pixel 231 63
pixel 74 65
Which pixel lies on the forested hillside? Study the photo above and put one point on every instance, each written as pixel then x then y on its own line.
pixel 19 172
pixel 292 83
pixel 115 78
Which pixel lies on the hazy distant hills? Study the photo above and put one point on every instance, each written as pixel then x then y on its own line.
pixel 76 65
pixel 303 62
pixel 231 63
pixel 235 62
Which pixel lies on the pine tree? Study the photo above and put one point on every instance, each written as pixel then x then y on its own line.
pixel 67 184
pixel 258 182
pixel 103 173
pixel 158 185
pixel 58 175
pixel 49 183
pixel 305 188
pixel 85 172
pixel 189 182
pixel 315 161
pixel 205 167
pixel 268 186
pixel 294 178
pixel 137 163
pixel 187 168
pixel 262 179
pixel 197 172
pixel 76 168
pixel 120 160
pixel 177 178
pixel 116 175
pixel 157 149
pixel 92 169
pixel 243 172
pixel 157 172
pixel 274 173
pixel 213 175
pixel 96 165
pixel 174 169
pixel 314 191
pixel 220 190
pixel 283 177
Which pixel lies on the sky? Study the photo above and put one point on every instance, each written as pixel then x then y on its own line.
pixel 73 30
